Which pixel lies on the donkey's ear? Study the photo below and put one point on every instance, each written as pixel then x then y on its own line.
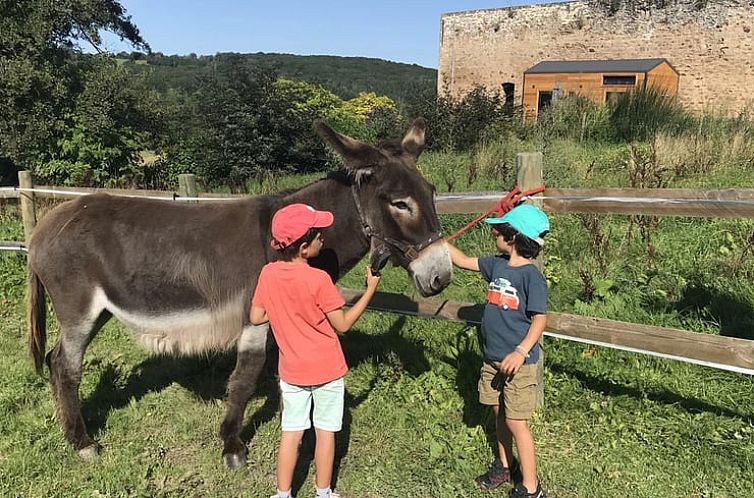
pixel 413 142
pixel 356 154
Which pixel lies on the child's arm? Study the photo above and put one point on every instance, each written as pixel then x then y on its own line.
pixel 257 315
pixel 514 360
pixel 461 260
pixel 341 320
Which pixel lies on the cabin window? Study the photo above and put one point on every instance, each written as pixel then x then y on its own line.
pixel 627 80
pixel 544 101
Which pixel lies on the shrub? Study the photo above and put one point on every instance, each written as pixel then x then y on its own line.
pixel 461 124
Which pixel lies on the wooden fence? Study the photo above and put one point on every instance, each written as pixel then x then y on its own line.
pixel 726 353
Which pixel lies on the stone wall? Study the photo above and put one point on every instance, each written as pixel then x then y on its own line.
pixel 712 48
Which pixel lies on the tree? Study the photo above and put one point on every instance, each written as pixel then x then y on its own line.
pixel 41 72
pixel 240 127
pixel 243 123
pixel 109 124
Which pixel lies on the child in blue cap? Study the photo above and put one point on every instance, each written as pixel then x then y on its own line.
pixel 513 321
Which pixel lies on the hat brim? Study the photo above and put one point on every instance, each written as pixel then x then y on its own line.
pixel 494 221
pixel 322 219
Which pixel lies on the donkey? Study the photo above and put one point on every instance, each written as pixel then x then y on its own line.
pixel 181 276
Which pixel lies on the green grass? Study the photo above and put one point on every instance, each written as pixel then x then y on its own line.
pixel 615 424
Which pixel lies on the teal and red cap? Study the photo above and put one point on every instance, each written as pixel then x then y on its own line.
pixel 525 219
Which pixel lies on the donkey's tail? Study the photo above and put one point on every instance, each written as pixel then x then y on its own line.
pixel 37 319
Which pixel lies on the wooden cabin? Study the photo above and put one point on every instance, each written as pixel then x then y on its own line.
pixel 598 81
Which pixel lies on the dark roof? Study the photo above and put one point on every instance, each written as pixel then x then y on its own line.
pixel 606 66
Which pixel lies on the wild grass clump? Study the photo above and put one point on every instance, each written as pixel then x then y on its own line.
pixel 12 264
pixel 637 115
pixel 489 165
pixel 576 118
pixel 644 112
pixel 712 144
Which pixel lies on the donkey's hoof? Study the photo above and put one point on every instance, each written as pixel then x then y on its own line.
pixel 235 461
pixel 90 452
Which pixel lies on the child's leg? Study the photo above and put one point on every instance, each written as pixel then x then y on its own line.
pixel 489 395
pixel 520 401
pixel 297 403
pixel 324 456
pixel 287 456
pixel 525 447
pixel 504 438
pixel 328 419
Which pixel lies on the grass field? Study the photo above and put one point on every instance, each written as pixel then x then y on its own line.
pixel 614 424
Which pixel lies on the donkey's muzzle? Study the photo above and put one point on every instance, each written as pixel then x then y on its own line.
pixel 379 259
pixel 432 270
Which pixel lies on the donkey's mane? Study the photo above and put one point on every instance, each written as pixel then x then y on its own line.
pixel 341 176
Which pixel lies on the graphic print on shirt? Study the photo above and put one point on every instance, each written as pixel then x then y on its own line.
pixel 501 293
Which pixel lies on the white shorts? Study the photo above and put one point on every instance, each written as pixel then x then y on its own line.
pixel 297 406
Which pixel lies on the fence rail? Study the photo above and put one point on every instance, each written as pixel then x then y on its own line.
pixel 717 203
pixel 65 193
pixel 726 353
pixel 713 203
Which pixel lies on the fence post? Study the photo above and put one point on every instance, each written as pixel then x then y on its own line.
pixel 187 185
pixel 28 205
pixel 529 170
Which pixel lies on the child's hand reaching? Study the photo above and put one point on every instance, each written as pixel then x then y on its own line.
pixel 511 363
pixel 371 279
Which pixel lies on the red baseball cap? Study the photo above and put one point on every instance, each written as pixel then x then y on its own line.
pixel 291 222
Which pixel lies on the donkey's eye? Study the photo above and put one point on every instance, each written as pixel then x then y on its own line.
pixel 402 205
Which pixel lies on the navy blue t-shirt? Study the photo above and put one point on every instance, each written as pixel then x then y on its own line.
pixel 514 294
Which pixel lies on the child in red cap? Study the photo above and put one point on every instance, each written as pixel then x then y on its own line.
pixel 305 310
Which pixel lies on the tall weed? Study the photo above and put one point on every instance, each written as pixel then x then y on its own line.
pixel 496 162
pixel 446 170
pixel 714 143
pixel 644 112
pixel 576 118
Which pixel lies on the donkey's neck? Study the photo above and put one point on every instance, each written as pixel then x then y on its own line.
pixel 345 242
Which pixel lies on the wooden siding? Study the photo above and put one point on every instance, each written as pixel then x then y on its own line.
pixel 665 78
pixel 590 85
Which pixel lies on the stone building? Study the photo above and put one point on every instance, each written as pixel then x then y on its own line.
pixel 711 46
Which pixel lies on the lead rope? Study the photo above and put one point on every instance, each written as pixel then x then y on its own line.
pixel 505 204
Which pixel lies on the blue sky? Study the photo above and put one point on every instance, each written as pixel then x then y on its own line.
pixel 402 31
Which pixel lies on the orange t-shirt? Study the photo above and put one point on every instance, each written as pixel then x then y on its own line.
pixel 296 297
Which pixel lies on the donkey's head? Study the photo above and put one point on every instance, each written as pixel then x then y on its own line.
pixel 396 205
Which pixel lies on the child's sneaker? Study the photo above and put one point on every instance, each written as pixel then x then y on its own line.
pixel 519 491
pixel 494 477
pixel 332 494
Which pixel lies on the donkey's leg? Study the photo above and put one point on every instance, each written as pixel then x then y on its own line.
pixel 64 362
pixel 252 348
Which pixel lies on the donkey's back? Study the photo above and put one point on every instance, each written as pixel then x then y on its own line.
pixel 178 275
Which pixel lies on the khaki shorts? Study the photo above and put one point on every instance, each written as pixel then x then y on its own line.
pixel 517 395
